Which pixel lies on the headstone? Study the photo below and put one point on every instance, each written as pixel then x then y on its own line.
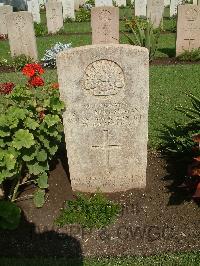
pixel 103 3
pixel 120 2
pixel 34 9
pixel 140 8
pixel 155 10
pixel 105 25
pixel 54 16
pixel 68 9
pixel 21 34
pixel 195 2
pixel 167 2
pixel 76 5
pixel 82 2
pixel 1 4
pixel 106 91
pixel 188 28
pixel 4 10
pixel 173 7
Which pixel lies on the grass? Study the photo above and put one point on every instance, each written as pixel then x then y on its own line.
pixel 168 85
pixel 94 212
pixel 182 259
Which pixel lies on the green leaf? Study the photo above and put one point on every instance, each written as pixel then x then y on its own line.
pixel 39 198
pixel 37 168
pixel 31 123
pixel 43 181
pixel 42 156
pixel 23 138
pixel 10 215
pixel 51 120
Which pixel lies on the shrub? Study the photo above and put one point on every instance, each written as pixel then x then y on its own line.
pixel 95 211
pixel 182 144
pixel 49 59
pixel 30 133
pixel 83 15
pixel 144 36
pixel 18 62
pixel 193 55
pixel 9 215
pixel 40 29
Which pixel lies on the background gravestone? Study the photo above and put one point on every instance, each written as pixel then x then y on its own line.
pixel 4 10
pixel 103 3
pixel 120 2
pixel 21 34
pixel 141 8
pixel 106 91
pixel 188 28
pixel 173 7
pixel 54 16
pixel 76 4
pixel 105 25
pixel 34 9
pixel 68 9
pixel 167 2
pixel 155 10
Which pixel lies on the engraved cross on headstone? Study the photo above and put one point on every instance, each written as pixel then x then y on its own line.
pixel 190 40
pixel 106 147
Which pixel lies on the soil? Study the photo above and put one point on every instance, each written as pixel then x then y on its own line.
pixel 6 69
pixel 157 219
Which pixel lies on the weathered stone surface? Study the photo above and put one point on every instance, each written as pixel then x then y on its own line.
pixel 106 91
pixel 21 34
pixel 155 9
pixel 76 4
pixel 103 3
pixel 188 28
pixel 4 10
pixel 54 16
pixel 167 2
pixel 120 2
pixel 34 9
pixel 68 9
pixel 105 25
pixel 173 7
pixel 140 8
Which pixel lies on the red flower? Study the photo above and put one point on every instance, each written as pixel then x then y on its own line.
pixel 6 88
pixel 36 81
pixel 30 70
pixel 55 86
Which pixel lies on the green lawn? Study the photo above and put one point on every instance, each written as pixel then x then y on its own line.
pixel 182 259
pixel 168 85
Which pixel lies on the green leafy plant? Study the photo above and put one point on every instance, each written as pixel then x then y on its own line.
pixel 30 133
pixel 18 62
pixel 40 29
pixel 192 56
pixel 9 215
pixel 182 144
pixel 144 36
pixel 83 15
pixel 95 211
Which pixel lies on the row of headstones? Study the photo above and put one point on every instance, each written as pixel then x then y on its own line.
pixel 142 6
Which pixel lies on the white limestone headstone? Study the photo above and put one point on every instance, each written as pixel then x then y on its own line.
pixel 21 34
pixel 34 9
pixel 155 10
pixel 167 2
pixel 54 16
pixel 68 9
pixel 188 28
pixel 173 7
pixel 140 8
pixel 103 3
pixel 106 91
pixel 120 2
pixel 4 10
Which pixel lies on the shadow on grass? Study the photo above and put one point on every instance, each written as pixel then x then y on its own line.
pixel 27 242
pixel 170 52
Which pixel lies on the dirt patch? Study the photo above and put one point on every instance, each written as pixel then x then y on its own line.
pixel 171 61
pixel 153 220
pixel 6 69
